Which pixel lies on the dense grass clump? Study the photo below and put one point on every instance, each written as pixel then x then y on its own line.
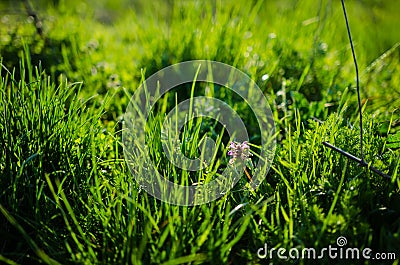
pixel 67 195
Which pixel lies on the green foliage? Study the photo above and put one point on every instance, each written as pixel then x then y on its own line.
pixel 394 140
pixel 67 195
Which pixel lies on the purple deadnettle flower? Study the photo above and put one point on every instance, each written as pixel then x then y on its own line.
pixel 239 151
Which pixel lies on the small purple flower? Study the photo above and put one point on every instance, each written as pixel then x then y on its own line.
pixel 239 150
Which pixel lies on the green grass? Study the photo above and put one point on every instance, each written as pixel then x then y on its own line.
pixel 67 195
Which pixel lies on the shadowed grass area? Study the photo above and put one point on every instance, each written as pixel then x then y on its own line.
pixel 67 195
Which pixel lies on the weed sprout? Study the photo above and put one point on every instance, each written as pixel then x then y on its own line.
pixel 241 152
